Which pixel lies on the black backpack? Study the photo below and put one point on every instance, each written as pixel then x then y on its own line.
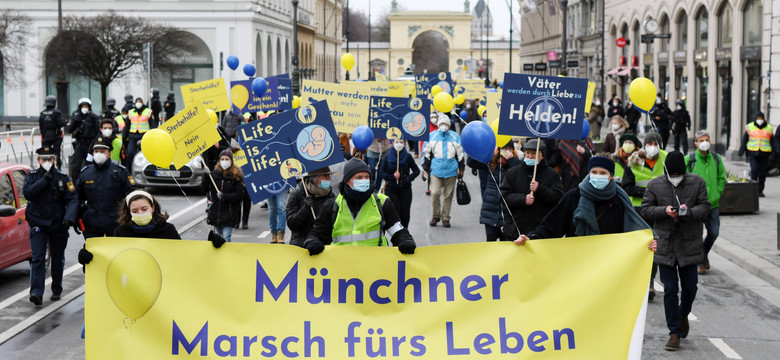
pixel 692 160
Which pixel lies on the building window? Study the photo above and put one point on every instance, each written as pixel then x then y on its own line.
pixel 725 24
pixel 624 34
pixel 752 34
pixel 682 31
pixel 664 30
pixel 635 38
pixel 592 19
pixel 702 32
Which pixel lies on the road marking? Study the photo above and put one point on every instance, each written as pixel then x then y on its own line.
pixel 24 324
pixel 191 224
pixel 725 348
pixel 692 317
pixel 24 293
pixel 263 234
pixel 187 209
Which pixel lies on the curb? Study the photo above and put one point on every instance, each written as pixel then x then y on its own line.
pixel 749 261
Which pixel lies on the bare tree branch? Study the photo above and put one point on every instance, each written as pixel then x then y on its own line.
pixel 14 30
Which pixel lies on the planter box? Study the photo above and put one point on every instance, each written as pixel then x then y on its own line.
pixel 739 197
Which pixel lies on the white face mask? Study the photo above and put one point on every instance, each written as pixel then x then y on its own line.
pixel 468 106
pixel 434 120
pixel 597 103
pixel 138 105
pixel 225 164
pixel 85 111
pixel 679 107
pixel 100 158
pixel 652 150
pixel 614 103
pixel 398 146
pixel 759 122
pixel 704 146
pixel 615 127
pixel 444 127
pixel 107 132
pixel 46 165
pixel 124 116
pixel 675 180
pixel 657 100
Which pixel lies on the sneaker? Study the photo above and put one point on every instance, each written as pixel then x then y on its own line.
pixel 701 269
pixel 244 226
pixel 651 294
pixel 685 327
pixel 445 223
pixel 761 195
pixel 35 299
pixel 55 297
pixel 673 344
pixel 433 222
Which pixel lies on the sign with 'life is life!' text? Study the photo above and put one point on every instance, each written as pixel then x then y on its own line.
pixel 543 106
pixel 287 145
pixel 427 81
pixel 399 118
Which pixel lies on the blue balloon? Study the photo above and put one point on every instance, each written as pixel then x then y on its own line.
pixel 232 62
pixel 492 90
pixel 464 114
pixel 585 129
pixel 259 86
pixel 362 137
pixel 478 141
pixel 501 84
pixel 249 70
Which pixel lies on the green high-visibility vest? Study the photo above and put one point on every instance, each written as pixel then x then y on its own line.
pixel 642 174
pixel 365 230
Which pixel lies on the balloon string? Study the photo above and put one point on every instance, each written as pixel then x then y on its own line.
pixel 188 198
pixel 503 199
pixel 124 322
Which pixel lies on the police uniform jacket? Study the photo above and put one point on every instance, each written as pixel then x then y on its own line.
pixel 102 188
pixel 51 123
pixel 49 203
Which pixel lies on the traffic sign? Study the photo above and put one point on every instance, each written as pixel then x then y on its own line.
pixel 621 42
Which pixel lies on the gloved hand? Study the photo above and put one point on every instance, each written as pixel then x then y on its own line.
pixel 407 246
pixel 308 201
pixel 220 195
pixel 216 240
pixel 48 176
pixel 68 223
pixel 84 256
pixel 315 247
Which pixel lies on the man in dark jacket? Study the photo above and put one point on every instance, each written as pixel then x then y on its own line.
pixel 170 105
pixel 530 200
pixel 660 117
pixel 230 122
pixel 757 141
pixel 632 116
pixel 110 112
pixel 305 201
pixel 681 122
pixel 676 205
pixel 128 103
pixel 84 127
pixel 155 105
pixel 51 123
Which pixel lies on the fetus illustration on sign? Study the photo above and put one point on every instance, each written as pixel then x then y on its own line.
pixel 414 123
pixel 314 143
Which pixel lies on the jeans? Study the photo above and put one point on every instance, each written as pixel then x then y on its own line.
pixel 442 187
pixel 758 169
pixel 712 224
pixel 57 238
pixel 277 208
pixel 677 309
pixel 224 231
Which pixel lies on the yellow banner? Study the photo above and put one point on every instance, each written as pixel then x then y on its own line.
pixel 551 299
pixel 375 88
pixel 211 93
pixel 395 88
pixel 239 158
pixel 473 88
pixel 589 97
pixel 192 132
pixel 380 77
pixel 348 104
pixel 493 106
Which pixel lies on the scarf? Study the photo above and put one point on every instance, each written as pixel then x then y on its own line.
pixel 401 156
pixel 569 152
pixel 314 189
pixel 143 229
pixel 618 133
pixel 585 221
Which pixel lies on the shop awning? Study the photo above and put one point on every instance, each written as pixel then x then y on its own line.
pixel 624 71
pixel 613 71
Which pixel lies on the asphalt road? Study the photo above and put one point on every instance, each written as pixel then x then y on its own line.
pixel 735 314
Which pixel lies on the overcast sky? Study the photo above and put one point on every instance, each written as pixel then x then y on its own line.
pixel 499 9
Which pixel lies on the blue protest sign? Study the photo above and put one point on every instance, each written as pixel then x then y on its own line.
pixel 262 192
pixel 399 118
pixel 426 81
pixel 288 144
pixel 542 106
pixel 244 100
pixel 285 93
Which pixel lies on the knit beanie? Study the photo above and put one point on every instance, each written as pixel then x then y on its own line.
pixel 228 153
pixel 675 163
pixel 602 162
pixel 354 166
pixel 653 136
pixel 632 138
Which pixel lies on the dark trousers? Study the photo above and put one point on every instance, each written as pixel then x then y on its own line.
pixel 681 136
pixel 759 165
pixel 674 307
pixel 413 146
pixel 493 233
pixel 78 159
pixel 246 206
pixel 664 136
pixel 132 149
pixel 402 201
pixel 712 224
pixel 57 239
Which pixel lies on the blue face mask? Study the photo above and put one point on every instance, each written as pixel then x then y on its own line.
pixel 361 185
pixel 529 162
pixel 324 184
pixel 599 181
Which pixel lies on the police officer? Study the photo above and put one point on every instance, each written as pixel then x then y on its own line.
pixel 101 188
pixel 170 105
pixel 52 207
pixel 757 141
pixel 51 123
pixel 141 121
pixel 110 112
pixel 155 105
pixel 83 129
pixel 128 102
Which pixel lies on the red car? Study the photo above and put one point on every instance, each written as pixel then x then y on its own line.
pixel 14 230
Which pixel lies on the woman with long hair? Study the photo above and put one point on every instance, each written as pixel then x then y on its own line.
pixel 141 216
pixel 226 197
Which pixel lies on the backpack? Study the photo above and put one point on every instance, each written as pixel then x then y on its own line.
pixel 692 160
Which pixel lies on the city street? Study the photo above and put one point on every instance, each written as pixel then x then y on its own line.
pixel 735 315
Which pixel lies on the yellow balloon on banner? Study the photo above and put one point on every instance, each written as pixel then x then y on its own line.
pixel 212 116
pixel 460 99
pixel 133 280
pixel 443 102
pixel 296 102
pixel 240 95
pixel 435 90
pixel 158 147
pixel 347 61
pixel 501 140
pixel 642 93
pixel 481 109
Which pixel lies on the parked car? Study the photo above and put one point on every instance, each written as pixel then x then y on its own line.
pixel 148 175
pixel 14 230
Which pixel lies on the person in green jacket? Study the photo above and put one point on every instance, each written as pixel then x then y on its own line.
pixel 709 166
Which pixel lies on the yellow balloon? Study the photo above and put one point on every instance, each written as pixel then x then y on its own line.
pixel 481 109
pixel 240 95
pixel 212 116
pixel 347 61
pixel 501 140
pixel 435 90
pixel 133 279
pixel 443 102
pixel 296 102
pixel 460 99
pixel 158 147
pixel 642 93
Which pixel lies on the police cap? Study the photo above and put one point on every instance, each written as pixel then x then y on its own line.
pixel 45 152
pixel 102 143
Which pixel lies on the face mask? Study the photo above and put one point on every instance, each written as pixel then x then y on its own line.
pixel 529 162
pixel 100 158
pixel 760 122
pixel 657 100
pixel 324 184
pixel 652 150
pixel 615 127
pixel 139 105
pixel 679 107
pixel 107 132
pixel 124 116
pixel 434 120
pixel 361 185
pixel 599 181
pixel 46 165
pixel 468 106
pixel 142 219
pixel 614 103
pixel 444 128
pixel 398 146
pixel 628 148
pixel 225 164
pixel 597 103
pixel 675 180
pixel 704 146
pixel 85 111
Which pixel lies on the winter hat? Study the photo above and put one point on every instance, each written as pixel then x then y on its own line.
pixel 226 152
pixel 675 163
pixel 530 145
pixel 653 136
pixel 632 138
pixel 352 167
pixel 443 119
pixel 602 162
